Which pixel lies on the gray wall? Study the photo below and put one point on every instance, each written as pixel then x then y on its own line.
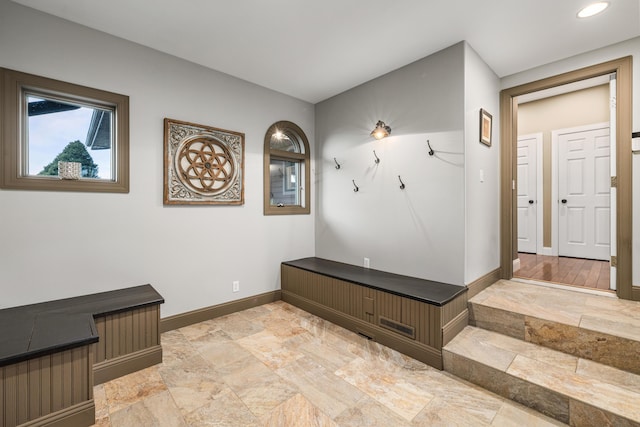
pixel 422 230
pixel 57 244
pixel 482 170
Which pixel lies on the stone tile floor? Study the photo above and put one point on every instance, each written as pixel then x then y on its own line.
pixel 575 390
pixel 574 353
pixel 276 365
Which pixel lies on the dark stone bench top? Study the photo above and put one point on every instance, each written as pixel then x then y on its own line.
pixel 428 291
pixel 35 330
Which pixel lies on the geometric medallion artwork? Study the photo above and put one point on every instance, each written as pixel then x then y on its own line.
pixel 202 165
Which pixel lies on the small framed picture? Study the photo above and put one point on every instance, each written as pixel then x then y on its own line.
pixel 486 122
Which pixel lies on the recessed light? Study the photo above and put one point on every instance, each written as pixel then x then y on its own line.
pixel 593 9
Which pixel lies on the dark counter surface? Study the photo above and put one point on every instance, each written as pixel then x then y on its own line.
pixel 35 330
pixel 428 291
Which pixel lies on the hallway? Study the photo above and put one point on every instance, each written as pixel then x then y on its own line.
pixel 580 272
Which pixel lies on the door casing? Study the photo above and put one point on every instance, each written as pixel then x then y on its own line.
pixel 509 136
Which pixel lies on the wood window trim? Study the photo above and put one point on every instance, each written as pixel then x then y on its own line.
pixel 12 86
pixel 304 158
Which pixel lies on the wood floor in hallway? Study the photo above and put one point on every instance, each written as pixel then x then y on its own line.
pixel 585 273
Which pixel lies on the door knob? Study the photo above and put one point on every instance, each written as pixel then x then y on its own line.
pixel 530 202
pixel 564 200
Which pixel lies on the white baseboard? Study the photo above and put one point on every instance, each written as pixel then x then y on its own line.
pixel 613 281
pixel 546 251
pixel 600 292
pixel 516 264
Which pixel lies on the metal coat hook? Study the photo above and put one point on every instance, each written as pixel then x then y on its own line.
pixel 355 187
pixel 401 183
pixel 431 152
pixel 337 164
pixel 377 159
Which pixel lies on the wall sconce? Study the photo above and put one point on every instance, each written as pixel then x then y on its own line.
pixel 381 130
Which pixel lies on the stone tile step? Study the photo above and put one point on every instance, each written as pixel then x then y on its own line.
pixel 572 390
pixel 601 328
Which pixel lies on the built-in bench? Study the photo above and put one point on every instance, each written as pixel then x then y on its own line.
pixel 414 316
pixel 52 353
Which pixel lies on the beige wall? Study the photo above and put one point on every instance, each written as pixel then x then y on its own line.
pixel 578 108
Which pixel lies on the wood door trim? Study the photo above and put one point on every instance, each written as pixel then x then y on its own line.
pixel 508 115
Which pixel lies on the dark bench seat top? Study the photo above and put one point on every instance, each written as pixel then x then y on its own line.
pixel 35 330
pixel 428 291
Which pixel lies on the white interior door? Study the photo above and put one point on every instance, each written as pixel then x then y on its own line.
pixel 527 194
pixel 584 182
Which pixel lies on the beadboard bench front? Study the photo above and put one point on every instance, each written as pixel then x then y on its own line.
pixel 414 316
pixel 52 353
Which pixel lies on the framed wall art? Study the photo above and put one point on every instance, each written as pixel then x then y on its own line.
pixel 203 165
pixel 486 123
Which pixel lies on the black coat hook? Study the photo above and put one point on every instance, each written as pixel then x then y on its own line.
pixel 431 152
pixel 377 159
pixel 355 187
pixel 337 164
pixel 401 183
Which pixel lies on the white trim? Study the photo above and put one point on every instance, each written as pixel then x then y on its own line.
pixel 562 89
pixel 546 250
pixel 613 195
pixel 592 291
pixel 613 273
pixel 539 193
pixel 555 135
pixel 554 192
pixel 516 264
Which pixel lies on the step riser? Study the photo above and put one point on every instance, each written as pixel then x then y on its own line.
pixel 548 402
pixel 600 347
pixel 535 397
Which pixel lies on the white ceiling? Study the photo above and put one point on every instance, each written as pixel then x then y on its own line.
pixel 313 50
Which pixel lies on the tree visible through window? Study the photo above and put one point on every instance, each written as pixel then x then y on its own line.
pixel 47 121
pixel 73 152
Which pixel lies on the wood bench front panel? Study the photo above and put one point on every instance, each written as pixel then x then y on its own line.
pixel 337 294
pixel 44 385
pixel 127 332
pixel 354 300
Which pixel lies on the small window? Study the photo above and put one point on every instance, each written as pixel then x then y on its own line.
pixel 60 136
pixel 286 170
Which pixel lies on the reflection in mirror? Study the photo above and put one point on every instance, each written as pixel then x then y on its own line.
pixel 285 188
pixel 285 141
pixel 63 130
